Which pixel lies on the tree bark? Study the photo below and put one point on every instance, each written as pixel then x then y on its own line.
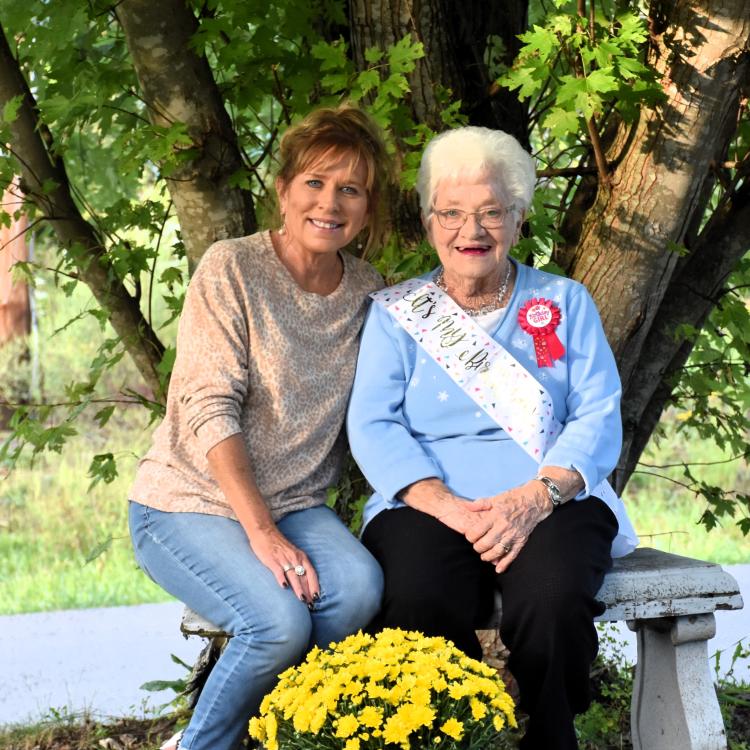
pixel 178 86
pixel 658 191
pixel 456 38
pixel 691 296
pixel 45 183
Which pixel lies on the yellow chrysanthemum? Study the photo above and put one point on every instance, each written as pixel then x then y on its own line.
pixel 453 728
pixel 371 716
pixel 344 695
pixel 257 729
pixel 478 709
pixel 346 726
pixel 318 719
pixel 406 719
pixel 271 726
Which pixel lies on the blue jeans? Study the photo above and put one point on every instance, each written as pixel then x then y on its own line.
pixel 206 561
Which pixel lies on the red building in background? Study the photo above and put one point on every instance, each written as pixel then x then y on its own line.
pixel 15 309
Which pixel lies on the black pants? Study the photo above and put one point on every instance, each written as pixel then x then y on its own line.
pixel 436 583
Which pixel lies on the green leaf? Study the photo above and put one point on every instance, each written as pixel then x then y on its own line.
pixel 11 107
pixel 335 82
pixel 177 660
pixel 631 68
pixel 331 55
pixel 99 550
pixel 602 81
pixel 156 686
pixel 103 415
pixel 171 276
pixel 164 368
pixel 539 40
pixel 571 88
pixel 374 55
pixel 103 468
pixel 368 80
pixel 403 56
pixel 561 122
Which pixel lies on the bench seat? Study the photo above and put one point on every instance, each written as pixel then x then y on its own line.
pixel 669 601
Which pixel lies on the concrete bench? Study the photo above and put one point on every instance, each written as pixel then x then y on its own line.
pixel 669 601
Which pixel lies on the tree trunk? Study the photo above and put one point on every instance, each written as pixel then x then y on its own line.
pixel 658 191
pixel 178 86
pixel 456 38
pixel 45 183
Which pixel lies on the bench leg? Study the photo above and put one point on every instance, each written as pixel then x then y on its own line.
pixel 674 701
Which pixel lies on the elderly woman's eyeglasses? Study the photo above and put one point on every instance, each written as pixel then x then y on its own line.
pixel 489 218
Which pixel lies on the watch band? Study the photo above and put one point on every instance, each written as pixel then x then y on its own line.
pixel 553 491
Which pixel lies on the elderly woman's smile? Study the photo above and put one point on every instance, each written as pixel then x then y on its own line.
pixel 463 228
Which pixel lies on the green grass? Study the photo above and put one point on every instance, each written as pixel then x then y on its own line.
pixel 50 521
pixel 50 524
pixel 667 516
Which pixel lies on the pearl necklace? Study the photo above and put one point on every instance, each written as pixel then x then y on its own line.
pixel 488 307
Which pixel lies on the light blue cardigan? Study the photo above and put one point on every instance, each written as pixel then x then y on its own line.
pixel 408 420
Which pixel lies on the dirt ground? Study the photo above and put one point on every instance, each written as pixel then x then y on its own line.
pixel 132 734
pixel 123 734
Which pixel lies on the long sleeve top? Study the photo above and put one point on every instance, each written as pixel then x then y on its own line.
pixel 408 420
pixel 259 357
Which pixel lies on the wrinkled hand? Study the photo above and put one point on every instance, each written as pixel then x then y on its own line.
pixel 499 533
pixel 460 515
pixel 276 552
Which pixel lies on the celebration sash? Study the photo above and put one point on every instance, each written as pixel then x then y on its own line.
pixel 489 375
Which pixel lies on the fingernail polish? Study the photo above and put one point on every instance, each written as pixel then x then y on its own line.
pixel 316 596
pixel 303 598
pixel 285 584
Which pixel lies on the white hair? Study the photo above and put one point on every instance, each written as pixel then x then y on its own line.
pixel 470 151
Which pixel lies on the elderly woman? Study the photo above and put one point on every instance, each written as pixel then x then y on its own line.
pixel 485 413
pixel 228 509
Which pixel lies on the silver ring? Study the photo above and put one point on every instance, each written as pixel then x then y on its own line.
pixel 505 547
pixel 299 570
pixel 287 567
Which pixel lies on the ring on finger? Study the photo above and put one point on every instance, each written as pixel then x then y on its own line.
pixel 506 547
pixel 300 570
pixel 287 567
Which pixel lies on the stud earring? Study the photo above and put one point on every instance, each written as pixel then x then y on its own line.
pixel 282 230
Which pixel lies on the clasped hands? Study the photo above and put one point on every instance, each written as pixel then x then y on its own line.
pixel 499 526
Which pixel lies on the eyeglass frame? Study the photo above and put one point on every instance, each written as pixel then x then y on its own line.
pixel 505 211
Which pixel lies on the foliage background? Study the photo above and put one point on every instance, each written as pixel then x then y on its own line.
pixel 123 159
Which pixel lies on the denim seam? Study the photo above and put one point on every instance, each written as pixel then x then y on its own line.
pixel 198 578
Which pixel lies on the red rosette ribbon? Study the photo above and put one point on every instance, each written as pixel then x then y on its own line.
pixel 539 318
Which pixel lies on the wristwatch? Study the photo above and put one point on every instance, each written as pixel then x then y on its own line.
pixel 553 491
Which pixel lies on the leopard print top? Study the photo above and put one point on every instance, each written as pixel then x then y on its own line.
pixel 257 355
